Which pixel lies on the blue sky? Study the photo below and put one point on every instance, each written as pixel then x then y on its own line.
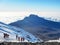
pixel 21 5
pixel 12 10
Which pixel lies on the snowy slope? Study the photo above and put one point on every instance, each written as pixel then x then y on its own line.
pixel 12 36
pixel 2 39
pixel 58 40
pixel 19 32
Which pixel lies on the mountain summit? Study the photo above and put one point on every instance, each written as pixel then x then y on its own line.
pixel 39 27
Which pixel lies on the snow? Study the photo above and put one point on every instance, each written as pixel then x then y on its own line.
pixel 57 40
pixel 12 38
pixel 13 31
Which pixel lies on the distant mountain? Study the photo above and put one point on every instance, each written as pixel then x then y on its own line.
pixel 40 27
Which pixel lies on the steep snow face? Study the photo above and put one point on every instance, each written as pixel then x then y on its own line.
pixel 19 32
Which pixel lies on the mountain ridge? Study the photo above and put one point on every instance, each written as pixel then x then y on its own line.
pixel 39 26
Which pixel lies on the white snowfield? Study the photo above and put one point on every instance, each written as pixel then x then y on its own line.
pixel 58 40
pixel 12 37
pixel 13 31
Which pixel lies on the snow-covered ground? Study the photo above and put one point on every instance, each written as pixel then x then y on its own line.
pixel 13 31
pixel 57 40
pixel 12 38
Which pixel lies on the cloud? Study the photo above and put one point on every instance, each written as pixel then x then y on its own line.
pixel 8 17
